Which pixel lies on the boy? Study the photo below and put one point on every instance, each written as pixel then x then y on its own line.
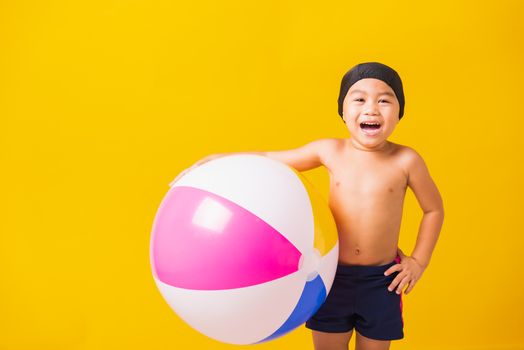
pixel 369 176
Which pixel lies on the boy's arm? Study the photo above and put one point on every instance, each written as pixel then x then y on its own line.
pixel 430 201
pixel 411 267
pixel 306 157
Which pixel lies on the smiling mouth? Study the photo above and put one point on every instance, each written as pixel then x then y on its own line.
pixel 370 128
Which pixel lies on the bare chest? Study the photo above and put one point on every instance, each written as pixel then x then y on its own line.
pixel 367 192
pixel 366 198
pixel 367 177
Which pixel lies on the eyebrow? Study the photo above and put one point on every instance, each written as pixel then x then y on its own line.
pixel 382 93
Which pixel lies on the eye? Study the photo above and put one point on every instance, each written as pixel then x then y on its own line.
pixel 383 101
pixel 358 99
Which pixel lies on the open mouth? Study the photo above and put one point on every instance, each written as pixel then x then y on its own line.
pixel 370 128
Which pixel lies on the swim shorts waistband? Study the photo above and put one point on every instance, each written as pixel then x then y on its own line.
pixel 363 269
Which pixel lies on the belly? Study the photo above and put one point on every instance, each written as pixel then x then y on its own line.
pixel 368 226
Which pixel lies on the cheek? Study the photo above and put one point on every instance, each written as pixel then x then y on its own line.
pixel 394 109
pixel 352 113
pixel 352 127
pixel 351 121
pixel 353 107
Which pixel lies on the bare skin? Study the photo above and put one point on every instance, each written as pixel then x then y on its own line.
pixel 369 176
pixel 366 200
pixel 340 341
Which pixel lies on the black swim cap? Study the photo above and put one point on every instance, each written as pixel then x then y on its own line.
pixel 372 70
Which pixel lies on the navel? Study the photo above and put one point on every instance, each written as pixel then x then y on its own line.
pixel 357 251
pixel 337 183
pixel 390 189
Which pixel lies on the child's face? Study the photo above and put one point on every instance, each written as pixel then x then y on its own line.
pixel 371 100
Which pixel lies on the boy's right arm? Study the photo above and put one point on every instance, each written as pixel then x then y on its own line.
pixel 306 157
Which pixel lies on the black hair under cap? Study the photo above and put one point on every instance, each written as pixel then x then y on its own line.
pixel 372 70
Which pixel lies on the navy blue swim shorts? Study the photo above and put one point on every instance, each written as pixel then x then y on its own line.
pixel 360 299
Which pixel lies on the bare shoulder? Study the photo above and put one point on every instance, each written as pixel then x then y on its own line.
pixel 327 147
pixel 420 180
pixel 408 157
pixel 408 154
pixel 415 167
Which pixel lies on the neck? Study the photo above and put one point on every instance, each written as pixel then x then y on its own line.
pixel 378 148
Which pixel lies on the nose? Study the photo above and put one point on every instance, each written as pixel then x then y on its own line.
pixel 371 109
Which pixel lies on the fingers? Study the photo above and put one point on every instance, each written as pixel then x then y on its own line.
pixel 402 281
pixel 402 284
pixel 398 278
pixel 396 267
pixel 410 287
pixel 395 282
pixel 408 276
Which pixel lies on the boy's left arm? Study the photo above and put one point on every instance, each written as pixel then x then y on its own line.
pixel 411 267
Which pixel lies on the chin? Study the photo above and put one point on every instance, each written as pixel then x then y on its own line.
pixel 372 142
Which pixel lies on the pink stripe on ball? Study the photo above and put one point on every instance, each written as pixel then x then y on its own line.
pixel 206 242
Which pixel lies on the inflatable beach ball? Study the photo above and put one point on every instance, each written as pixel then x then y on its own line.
pixel 244 249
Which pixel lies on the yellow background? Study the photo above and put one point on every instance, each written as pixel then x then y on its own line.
pixel 103 103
